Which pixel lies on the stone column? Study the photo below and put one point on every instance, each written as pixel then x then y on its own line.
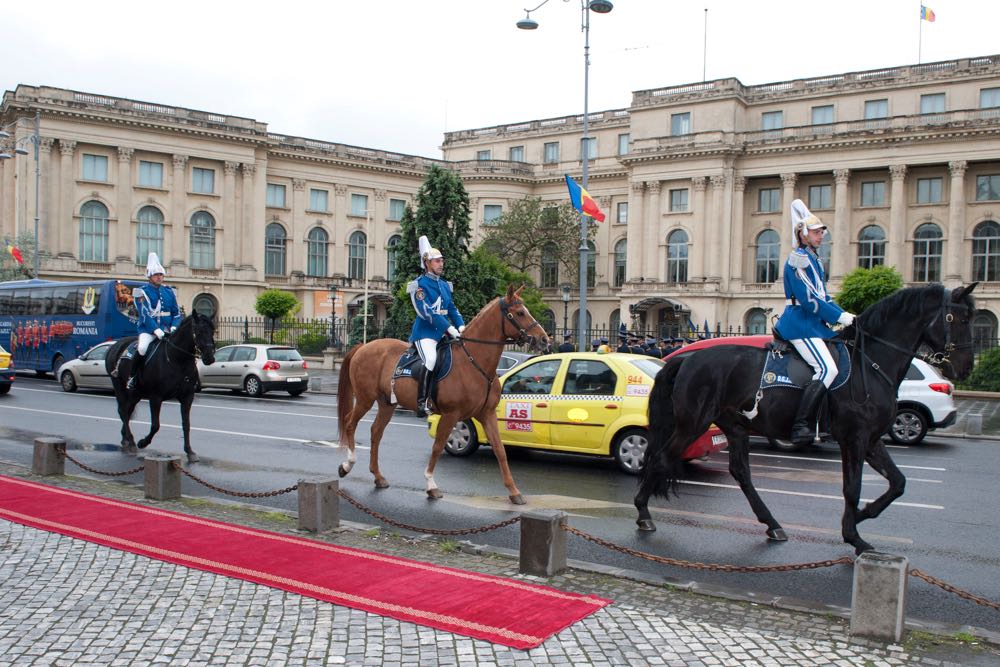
pixel 247 223
pixel 651 237
pixel 634 232
pixel 47 222
pixel 696 241
pixel 714 229
pixel 785 233
pixel 176 250
pixel 338 238
pixel 377 235
pixel 733 257
pixel 123 230
pixel 894 251
pixel 229 224
pixel 296 232
pixel 839 259
pixel 67 185
pixel 955 262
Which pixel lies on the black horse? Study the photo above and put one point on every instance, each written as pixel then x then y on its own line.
pixel 720 385
pixel 169 372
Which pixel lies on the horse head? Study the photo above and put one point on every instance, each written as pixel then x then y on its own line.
pixel 204 337
pixel 950 333
pixel 515 314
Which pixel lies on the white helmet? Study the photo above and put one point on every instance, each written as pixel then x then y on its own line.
pixel 153 265
pixel 427 253
pixel 803 220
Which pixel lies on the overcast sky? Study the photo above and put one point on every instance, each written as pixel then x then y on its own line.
pixel 396 74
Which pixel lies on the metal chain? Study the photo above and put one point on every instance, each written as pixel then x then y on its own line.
pixel 86 467
pixel 952 589
pixel 713 567
pixel 430 531
pixel 240 494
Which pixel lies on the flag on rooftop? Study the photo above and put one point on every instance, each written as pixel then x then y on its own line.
pixel 582 201
pixel 927 14
pixel 15 253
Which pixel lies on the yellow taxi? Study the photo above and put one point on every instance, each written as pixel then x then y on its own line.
pixel 578 402
pixel 6 371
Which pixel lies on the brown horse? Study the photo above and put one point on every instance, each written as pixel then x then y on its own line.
pixel 471 389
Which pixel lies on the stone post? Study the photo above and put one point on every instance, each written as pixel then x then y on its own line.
pixel 319 504
pixel 840 260
pixel 543 543
pixel 162 477
pixel 634 227
pixel 785 233
pixel 48 457
pixel 894 248
pixel 878 600
pixel 699 221
pixel 955 263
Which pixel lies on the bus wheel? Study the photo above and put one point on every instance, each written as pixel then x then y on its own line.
pixel 57 364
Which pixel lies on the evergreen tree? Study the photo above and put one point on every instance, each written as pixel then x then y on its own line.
pixel 863 287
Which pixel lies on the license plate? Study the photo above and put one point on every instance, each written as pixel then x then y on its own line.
pixel 719 439
pixel 300 380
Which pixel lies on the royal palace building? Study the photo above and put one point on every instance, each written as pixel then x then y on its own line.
pixel 902 163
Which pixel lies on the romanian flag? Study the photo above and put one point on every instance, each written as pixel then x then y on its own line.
pixel 582 201
pixel 927 14
pixel 15 253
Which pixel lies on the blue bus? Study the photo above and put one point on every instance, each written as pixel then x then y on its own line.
pixel 44 323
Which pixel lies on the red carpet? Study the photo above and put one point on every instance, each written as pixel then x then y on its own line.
pixel 504 611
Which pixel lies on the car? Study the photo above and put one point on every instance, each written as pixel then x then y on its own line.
pixel 577 402
pixel 256 369
pixel 509 359
pixel 6 371
pixel 923 403
pixel 87 371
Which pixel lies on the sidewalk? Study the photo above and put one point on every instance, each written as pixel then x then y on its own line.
pixel 69 602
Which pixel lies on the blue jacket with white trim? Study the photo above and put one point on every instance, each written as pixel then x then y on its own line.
pixel 809 310
pixel 436 311
pixel 157 308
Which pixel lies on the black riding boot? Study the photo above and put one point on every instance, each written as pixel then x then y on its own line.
pixel 804 427
pixel 424 380
pixel 133 378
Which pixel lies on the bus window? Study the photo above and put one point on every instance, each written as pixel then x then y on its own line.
pixel 41 301
pixel 5 298
pixel 64 301
pixel 124 300
pixel 20 302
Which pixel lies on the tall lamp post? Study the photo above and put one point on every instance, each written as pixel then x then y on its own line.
pixel 333 315
pixel 565 298
pixel 35 139
pixel 528 23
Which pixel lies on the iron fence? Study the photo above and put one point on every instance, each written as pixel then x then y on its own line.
pixel 310 336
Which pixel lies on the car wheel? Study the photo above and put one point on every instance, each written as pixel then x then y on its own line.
pixel 57 364
pixel 253 386
pixel 4 388
pixel 630 450
pixel 909 427
pixel 783 445
pixel 462 441
pixel 67 381
pixel 296 392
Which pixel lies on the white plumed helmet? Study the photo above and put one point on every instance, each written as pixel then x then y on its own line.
pixel 153 265
pixel 427 252
pixel 802 219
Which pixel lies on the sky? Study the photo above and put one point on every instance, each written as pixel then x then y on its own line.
pixel 397 74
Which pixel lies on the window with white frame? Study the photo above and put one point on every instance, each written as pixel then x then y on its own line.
pixel 150 174
pixel 484 155
pixel 822 115
pixel 202 241
pixel 986 252
pixel 359 205
pixel 202 180
pixel 317 252
pixel 932 103
pixel 929 190
pixel 768 200
pixel 93 232
pixel 824 252
pixel 392 251
pixel 989 98
pixel 357 255
pixel 396 209
pixel 95 167
pixel 819 197
pixel 623 140
pixel 621 217
pixel 319 200
pixel 588 148
pixel 680 123
pixel 550 265
pixel 550 152
pixel 621 254
pixel 871 247
pixel 679 200
pixel 873 193
pixel 492 213
pixel 927 247
pixel 876 109
pixel 591 264
pixel 274 250
pixel 772 120
pixel 756 322
pixel 275 197
pixel 767 257
pixel 677 256
pixel 988 187
pixel 516 154
pixel 149 233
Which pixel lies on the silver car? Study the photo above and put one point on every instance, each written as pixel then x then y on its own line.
pixel 87 371
pixel 256 369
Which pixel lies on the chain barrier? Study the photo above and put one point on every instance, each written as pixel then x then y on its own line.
pixel 64 453
pixel 228 492
pixel 430 531
pixel 952 589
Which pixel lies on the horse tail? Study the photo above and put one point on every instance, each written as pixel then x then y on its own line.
pixel 661 469
pixel 345 393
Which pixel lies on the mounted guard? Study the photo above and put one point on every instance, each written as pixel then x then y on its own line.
pixel 158 313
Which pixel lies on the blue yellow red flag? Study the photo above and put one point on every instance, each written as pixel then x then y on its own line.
pixel 582 201
pixel 927 14
pixel 15 253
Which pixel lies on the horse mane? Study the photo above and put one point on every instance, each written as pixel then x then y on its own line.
pixel 482 311
pixel 909 301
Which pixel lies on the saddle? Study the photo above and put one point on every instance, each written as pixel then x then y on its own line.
pixel 410 364
pixel 784 368
pixel 129 353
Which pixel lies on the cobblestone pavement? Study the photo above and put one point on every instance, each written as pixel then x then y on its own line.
pixel 68 602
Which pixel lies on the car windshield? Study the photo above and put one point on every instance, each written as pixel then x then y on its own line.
pixel 99 352
pixel 283 354
pixel 649 366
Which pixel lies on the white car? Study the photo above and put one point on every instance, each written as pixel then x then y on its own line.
pixel 87 371
pixel 924 403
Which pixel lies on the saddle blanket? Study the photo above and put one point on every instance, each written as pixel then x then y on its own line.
pixel 409 364
pixel 783 367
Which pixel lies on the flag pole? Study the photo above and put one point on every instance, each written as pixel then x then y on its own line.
pixel 920 32
pixel 704 47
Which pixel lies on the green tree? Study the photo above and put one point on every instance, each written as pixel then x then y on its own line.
pixel 9 268
pixel 275 304
pixel 863 287
pixel 986 374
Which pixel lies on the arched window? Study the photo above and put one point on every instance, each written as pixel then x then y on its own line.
pixel 274 250
pixel 586 325
pixel 756 321
pixel 149 236
pixel 986 252
pixel 824 253
pixel 767 258
pixel 677 256
pixel 206 305
pixel 591 268
pixel 871 247
pixel 357 251
pixel 548 323
pixel 392 249
pixel 550 265
pixel 984 331
pixel 202 241
pixel 94 232
pixel 316 262
pixel 927 253
pixel 621 250
pixel 616 319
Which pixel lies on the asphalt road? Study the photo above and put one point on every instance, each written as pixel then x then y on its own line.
pixel 946 523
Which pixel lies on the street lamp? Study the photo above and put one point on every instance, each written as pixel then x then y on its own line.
pixel 36 140
pixel 333 315
pixel 528 23
pixel 565 298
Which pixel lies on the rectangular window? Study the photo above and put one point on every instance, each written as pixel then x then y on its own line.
pixel 588 147
pixel 623 140
pixel 396 209
pixel 929 190
pixel 772 120
pixel 95 168
pixel 484 155
pixel 819 196
pixel 202 180
pixel 516 154
pixel 275 195
pixel 989 98
pixel 622 217
pixel 988 187
pixel 822 115
pixel 491 213
pixel 769 200
pixel 876 109
pixel 679 200
pixel 551 154
pixel 359 205
pixel 680 123
pixel 932 103
pixel 319 200
pixel 150 174
pixel 873 193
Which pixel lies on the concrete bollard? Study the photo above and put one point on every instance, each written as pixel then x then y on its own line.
pixel 974 425
pixel 319 504
pixel 543 543
pixel 878 600
pixel 48 458
pixel 163 479
pixel 315 384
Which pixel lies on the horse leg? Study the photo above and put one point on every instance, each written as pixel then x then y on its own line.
pixel 154 418
pixel 444 427
pixel 126 406
pixel 385 411
pixel 878 458
pixel 488 418
pixel 739 468
pixel 361 407
pixel 186 402
pixel 850 454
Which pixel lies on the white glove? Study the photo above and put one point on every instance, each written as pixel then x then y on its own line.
pixel 846 319
pixel 461 329
pixel 453 332
pixel 158 333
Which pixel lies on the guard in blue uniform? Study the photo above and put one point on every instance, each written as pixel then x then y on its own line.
pixel 437 315
pixel 158 313
pixel 567 344
pixel 809 313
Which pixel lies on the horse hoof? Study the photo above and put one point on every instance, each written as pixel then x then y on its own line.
pixel 193 458
pixel 777 535
pixel 381 484
pixel 131 450
pixel 646 525
pixel 435 494
pixel 517 500
pixel 342 470
pixel 142 444
pixel 863 547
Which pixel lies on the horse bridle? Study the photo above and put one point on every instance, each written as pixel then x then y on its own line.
pixel 506 316
pixel 196 354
